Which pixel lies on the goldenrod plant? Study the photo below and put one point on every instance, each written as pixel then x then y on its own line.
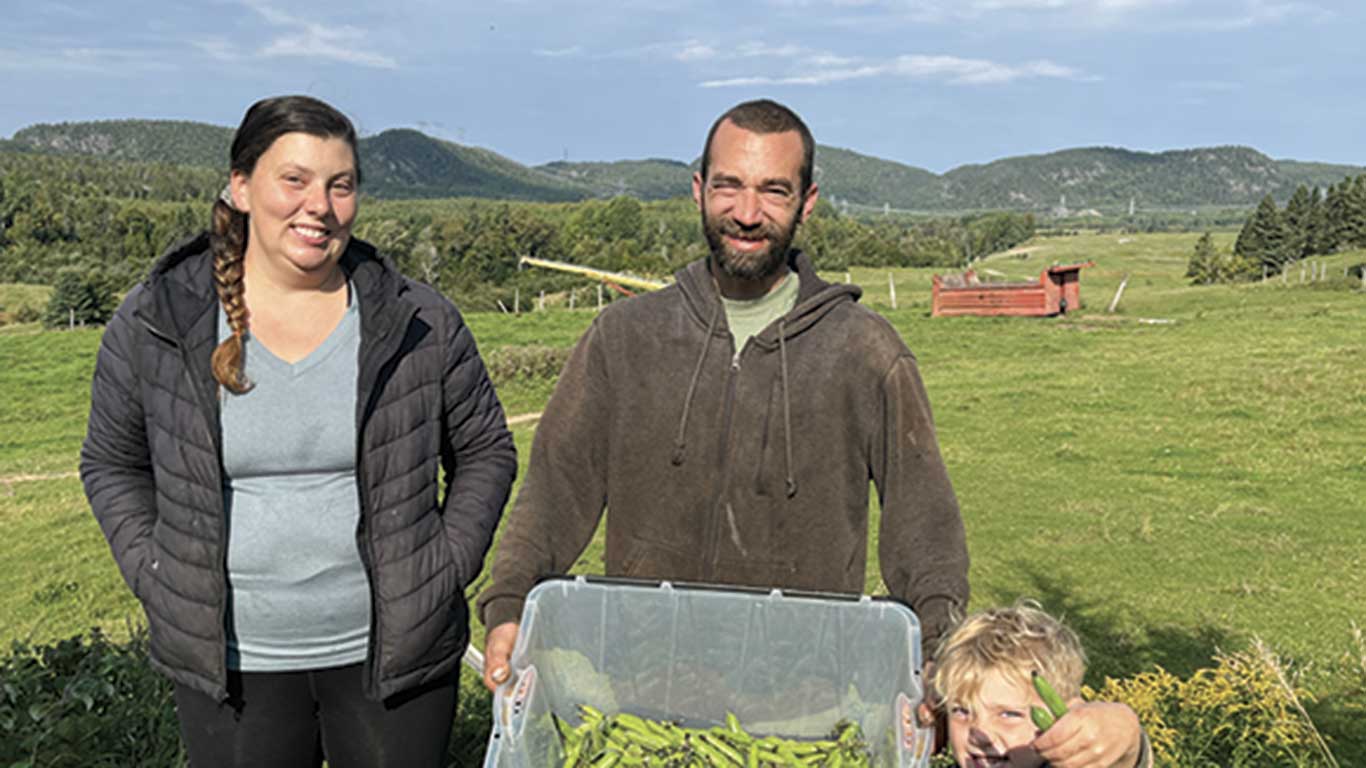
pixel 1246 710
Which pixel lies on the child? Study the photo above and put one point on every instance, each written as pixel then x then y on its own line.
pixel 982 674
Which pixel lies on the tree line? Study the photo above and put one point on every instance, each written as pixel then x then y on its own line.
pixel 1313 223
pixel 91 226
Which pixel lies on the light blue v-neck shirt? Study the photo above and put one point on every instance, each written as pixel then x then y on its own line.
pixel 298 594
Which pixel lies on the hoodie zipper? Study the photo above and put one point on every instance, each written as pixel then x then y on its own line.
pixel 714 528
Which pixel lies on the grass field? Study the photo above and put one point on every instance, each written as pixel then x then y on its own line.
pixel 1173 488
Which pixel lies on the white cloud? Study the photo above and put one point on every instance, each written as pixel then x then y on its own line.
pixel 755 50
pixel 309 40
pixel 311 46
pixel 88 59
pixel 952 69
pixel 1209 86
pixel 1082 6
pixel 829 60
pixel 557 53
pixel 218 48
pixel 1201 14
pixel 1255 13
pixel 695 50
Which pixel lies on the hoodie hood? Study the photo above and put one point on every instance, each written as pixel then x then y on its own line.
pixel 815 298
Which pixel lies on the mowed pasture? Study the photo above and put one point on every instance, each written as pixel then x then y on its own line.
pixel 1176 478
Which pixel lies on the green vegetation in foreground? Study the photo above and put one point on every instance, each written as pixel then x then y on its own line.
pixel 1172 489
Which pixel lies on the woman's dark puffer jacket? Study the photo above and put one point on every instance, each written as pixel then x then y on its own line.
pixel 435 464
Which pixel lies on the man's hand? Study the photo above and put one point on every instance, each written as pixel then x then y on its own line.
pixel 497 653
pixel 1096 734
pixel 929 701
pixel 929 714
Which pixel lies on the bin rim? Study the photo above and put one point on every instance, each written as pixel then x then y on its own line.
pixel 549 582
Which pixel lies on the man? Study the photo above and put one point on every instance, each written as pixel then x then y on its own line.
pixel 731 422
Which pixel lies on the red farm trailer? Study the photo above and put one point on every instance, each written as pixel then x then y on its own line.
pixel 1057 291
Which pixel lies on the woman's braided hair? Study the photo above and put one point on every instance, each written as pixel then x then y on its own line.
pixel 266 121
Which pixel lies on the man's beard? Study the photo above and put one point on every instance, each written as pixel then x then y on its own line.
pixel 748 266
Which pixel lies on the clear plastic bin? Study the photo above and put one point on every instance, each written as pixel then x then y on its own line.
pixel 787 664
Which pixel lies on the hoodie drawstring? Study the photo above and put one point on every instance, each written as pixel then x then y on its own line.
pixel 680 445
pixel 787 410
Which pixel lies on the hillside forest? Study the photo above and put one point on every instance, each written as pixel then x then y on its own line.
pixel 104 222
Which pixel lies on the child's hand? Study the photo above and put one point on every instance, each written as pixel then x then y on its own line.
pixel 1097 734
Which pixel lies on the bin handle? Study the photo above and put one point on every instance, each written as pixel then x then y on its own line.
pixel 510 703
pixel 914 743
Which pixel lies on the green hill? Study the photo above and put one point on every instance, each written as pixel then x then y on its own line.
pixel 157 141
pixel 649 179
pixel 405 163
pixel 849 176
pixel 1093 177
pixel 1315 174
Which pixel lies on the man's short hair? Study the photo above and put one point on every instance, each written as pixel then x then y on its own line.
pixel 766 116
pixel 1015 642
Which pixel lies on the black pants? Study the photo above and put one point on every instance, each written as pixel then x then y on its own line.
pixel 294 719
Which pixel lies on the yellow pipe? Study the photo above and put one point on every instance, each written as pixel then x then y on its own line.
pixel 601 276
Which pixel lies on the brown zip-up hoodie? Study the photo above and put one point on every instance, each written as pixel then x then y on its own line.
pixel 746 470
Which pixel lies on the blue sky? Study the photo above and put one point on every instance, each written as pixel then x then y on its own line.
pixel 931 83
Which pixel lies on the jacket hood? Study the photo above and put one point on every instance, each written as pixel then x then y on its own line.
pixel 179 289
pixel 815 298
pixel 178 292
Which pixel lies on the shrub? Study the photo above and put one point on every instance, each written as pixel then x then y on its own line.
pixel 85 701
pixel 27 313
pixel 529 362
pixel 1245 711
pixel 81 296
pixel 88 701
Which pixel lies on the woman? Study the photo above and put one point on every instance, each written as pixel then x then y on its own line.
pixel 273 411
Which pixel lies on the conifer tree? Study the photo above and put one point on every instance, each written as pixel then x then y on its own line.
pixel 1335 215
pixel 1297 218
pixel 80 296
pixel 1262 242
pixel 1354 230
pixel 1204 267
pixel 1318 223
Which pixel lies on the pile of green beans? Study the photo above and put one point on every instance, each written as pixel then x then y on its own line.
pixel 624 739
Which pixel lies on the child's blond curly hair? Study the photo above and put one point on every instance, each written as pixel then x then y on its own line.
pixel 1015 642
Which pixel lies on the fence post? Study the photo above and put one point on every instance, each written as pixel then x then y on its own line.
pixel 891 288
pixel 847 279
pixel 516 301
pixel 1120 292
pixel 572 293
pixel 540 303
pixel 70 318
